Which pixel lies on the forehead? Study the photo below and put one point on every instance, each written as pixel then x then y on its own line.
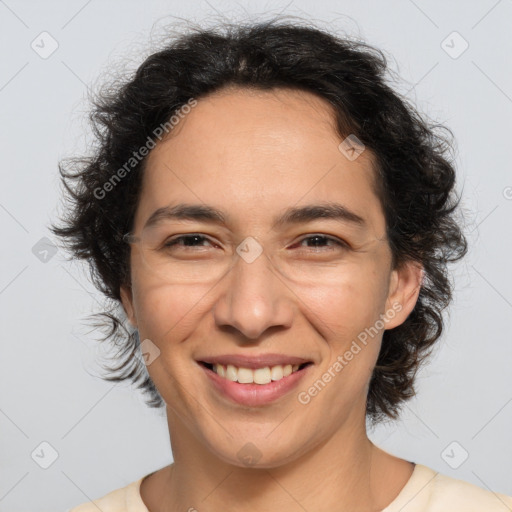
pixel 258 153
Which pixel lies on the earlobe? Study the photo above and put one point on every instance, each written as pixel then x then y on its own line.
pixel 404 289
pixel 127 301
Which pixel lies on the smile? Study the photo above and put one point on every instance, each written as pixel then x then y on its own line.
pixel 257 386
pixel 261 376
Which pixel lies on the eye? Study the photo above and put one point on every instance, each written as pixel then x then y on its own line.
pixel 188 240
pixel 322 243
pixel 318 241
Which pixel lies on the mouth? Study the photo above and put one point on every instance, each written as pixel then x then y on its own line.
pixel 260 376
pixel 254 387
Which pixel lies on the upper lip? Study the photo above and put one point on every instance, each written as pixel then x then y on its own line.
pixel 253 362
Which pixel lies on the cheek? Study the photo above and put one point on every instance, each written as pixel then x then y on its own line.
pixel 343 309
pixel 167 313
pixel 348 316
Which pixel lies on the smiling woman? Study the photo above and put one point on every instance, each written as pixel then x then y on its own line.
pixel 282 252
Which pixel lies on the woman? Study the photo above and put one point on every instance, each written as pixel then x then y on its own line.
pixel 276 223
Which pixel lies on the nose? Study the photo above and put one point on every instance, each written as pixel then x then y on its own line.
pixel 253 299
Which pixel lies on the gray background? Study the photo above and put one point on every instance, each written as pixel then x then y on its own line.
pixel 103 434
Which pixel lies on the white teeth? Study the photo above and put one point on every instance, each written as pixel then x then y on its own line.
pixel 259 376
pixel 231 372
pixel 276 373
pixel 245 376
pixel 262 375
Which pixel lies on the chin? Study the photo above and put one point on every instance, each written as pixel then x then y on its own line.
pixel 252 452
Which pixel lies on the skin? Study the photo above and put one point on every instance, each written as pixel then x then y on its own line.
pixel 252 155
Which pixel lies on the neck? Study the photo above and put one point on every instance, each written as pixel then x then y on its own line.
pixel 344 473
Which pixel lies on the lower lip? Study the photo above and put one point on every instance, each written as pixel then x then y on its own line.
pixel 255 394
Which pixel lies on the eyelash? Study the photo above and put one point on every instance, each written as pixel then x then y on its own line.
pixel 175 241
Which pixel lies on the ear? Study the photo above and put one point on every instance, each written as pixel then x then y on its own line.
pixel 127 301
pixel 404 288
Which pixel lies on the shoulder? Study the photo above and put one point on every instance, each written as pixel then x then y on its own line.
pixel 452 492
pixel 431 491
pixel 124 499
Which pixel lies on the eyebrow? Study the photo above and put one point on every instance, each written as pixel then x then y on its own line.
pixel 293 215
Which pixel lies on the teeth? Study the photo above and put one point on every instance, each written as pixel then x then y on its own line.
pixel 245 376
pixel 220 370
pixel 259 376
pixel 276 373
pixel 231 372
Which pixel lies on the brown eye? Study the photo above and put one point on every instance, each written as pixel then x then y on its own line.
pixel 319 241
pixel 189 240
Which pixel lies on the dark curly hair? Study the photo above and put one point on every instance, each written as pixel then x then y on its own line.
pixel 413 160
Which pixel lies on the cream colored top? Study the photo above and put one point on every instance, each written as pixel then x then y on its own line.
pixel 425 491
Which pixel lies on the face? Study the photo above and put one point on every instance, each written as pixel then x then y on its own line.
pixel 294 269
